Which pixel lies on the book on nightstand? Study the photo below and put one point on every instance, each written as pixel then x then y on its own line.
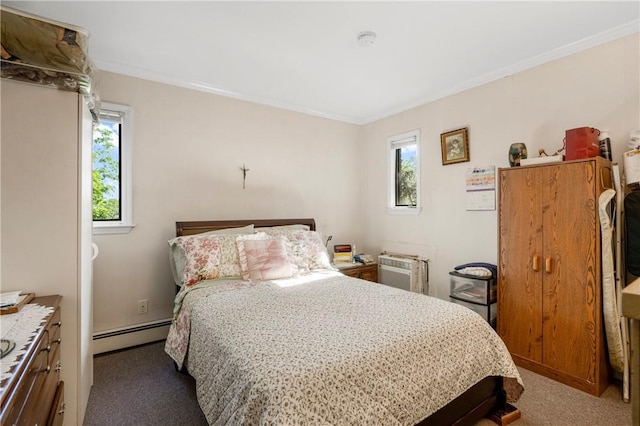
pixel 346 257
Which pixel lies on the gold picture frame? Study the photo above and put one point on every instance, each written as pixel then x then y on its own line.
pixel 455 146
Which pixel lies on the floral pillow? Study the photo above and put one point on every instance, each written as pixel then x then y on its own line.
pixel 177 256
pixel 208 257
pixel 202 257
pixel 264 258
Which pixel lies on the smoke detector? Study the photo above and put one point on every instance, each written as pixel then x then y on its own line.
pixel 366 38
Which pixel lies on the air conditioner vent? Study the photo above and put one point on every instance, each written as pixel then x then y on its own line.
pixel 396 262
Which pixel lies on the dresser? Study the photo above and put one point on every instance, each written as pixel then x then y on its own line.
pixel 549 275
pixel 367 272
pixel 34 393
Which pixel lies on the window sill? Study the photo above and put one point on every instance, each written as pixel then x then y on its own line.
pixel 112 229
pixel 404 210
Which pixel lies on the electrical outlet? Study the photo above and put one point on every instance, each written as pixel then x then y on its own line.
pixel 142 306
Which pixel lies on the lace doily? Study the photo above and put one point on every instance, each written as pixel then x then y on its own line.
pixel 20 328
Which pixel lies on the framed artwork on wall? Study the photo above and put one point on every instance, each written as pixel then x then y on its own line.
pixel 455 146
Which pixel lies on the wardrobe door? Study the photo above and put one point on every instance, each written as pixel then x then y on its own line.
pixel 569 304
pixel 521 265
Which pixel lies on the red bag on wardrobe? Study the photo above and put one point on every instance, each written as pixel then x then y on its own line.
pixel 582 142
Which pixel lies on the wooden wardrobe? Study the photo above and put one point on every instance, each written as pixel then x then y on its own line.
pixel 549 278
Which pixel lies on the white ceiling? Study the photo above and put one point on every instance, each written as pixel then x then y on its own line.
pixel 303 56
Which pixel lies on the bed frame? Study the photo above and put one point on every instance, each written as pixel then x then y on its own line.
pixel 197 227
pixel 487 398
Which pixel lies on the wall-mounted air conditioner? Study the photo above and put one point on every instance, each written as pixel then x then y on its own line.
pixel 406 273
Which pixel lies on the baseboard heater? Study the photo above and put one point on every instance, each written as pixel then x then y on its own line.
pixel 126 337
pixel 133 329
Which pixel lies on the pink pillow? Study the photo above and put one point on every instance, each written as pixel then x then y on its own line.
pixel 264 258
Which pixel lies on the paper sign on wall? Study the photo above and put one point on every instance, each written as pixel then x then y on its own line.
pixel 481 188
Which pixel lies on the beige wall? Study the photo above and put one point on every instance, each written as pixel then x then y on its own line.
pixel 597 88
pixel 188 150
pixel 189 147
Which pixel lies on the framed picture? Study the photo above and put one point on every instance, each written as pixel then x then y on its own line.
pixel 455 146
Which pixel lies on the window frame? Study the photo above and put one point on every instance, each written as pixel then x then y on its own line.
pixel 393 144
pixel 125 224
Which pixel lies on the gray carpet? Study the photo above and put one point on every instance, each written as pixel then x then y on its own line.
pixel 140 386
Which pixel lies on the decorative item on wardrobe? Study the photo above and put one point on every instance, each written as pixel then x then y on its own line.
pixel 517 152
pixel 605 144
pixel 581 142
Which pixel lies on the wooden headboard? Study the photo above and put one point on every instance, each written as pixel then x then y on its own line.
pixel 197 227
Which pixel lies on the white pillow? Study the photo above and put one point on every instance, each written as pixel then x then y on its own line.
pixel 306 248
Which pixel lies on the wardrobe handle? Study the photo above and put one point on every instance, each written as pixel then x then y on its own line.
pixel 536 263
pixel 547 265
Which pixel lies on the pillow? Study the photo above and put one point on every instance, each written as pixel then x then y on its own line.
pixel 177 255
pixel 306 248
pixel 316 252
pixel 264 258
pixel 294 227
pixel 201 258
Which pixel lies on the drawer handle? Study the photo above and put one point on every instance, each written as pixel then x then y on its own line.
pixel 536 263
pixel 48 369
pixel 63 406
pixel 48 348
pixel 547 265
pixel 59 324
pixel 58 366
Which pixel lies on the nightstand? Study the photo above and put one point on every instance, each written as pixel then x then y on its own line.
pixel 367 272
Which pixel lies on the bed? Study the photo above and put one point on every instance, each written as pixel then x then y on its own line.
pixel 273 334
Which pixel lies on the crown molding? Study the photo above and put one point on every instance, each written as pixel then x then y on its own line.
pixel 552 55
pixel 584 44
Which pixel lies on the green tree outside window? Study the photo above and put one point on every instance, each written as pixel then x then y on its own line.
pixel 106 175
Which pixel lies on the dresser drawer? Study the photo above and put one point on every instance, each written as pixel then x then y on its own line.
pixel 34 385
pixel 364 272
pixel 44 400
pixel 54 336
pixel 23 410
pixel 56 416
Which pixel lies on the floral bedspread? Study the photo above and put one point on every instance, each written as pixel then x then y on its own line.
pixel 335 350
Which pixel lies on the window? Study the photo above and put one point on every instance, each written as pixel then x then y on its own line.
pixel 404 173
pixel 112 209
